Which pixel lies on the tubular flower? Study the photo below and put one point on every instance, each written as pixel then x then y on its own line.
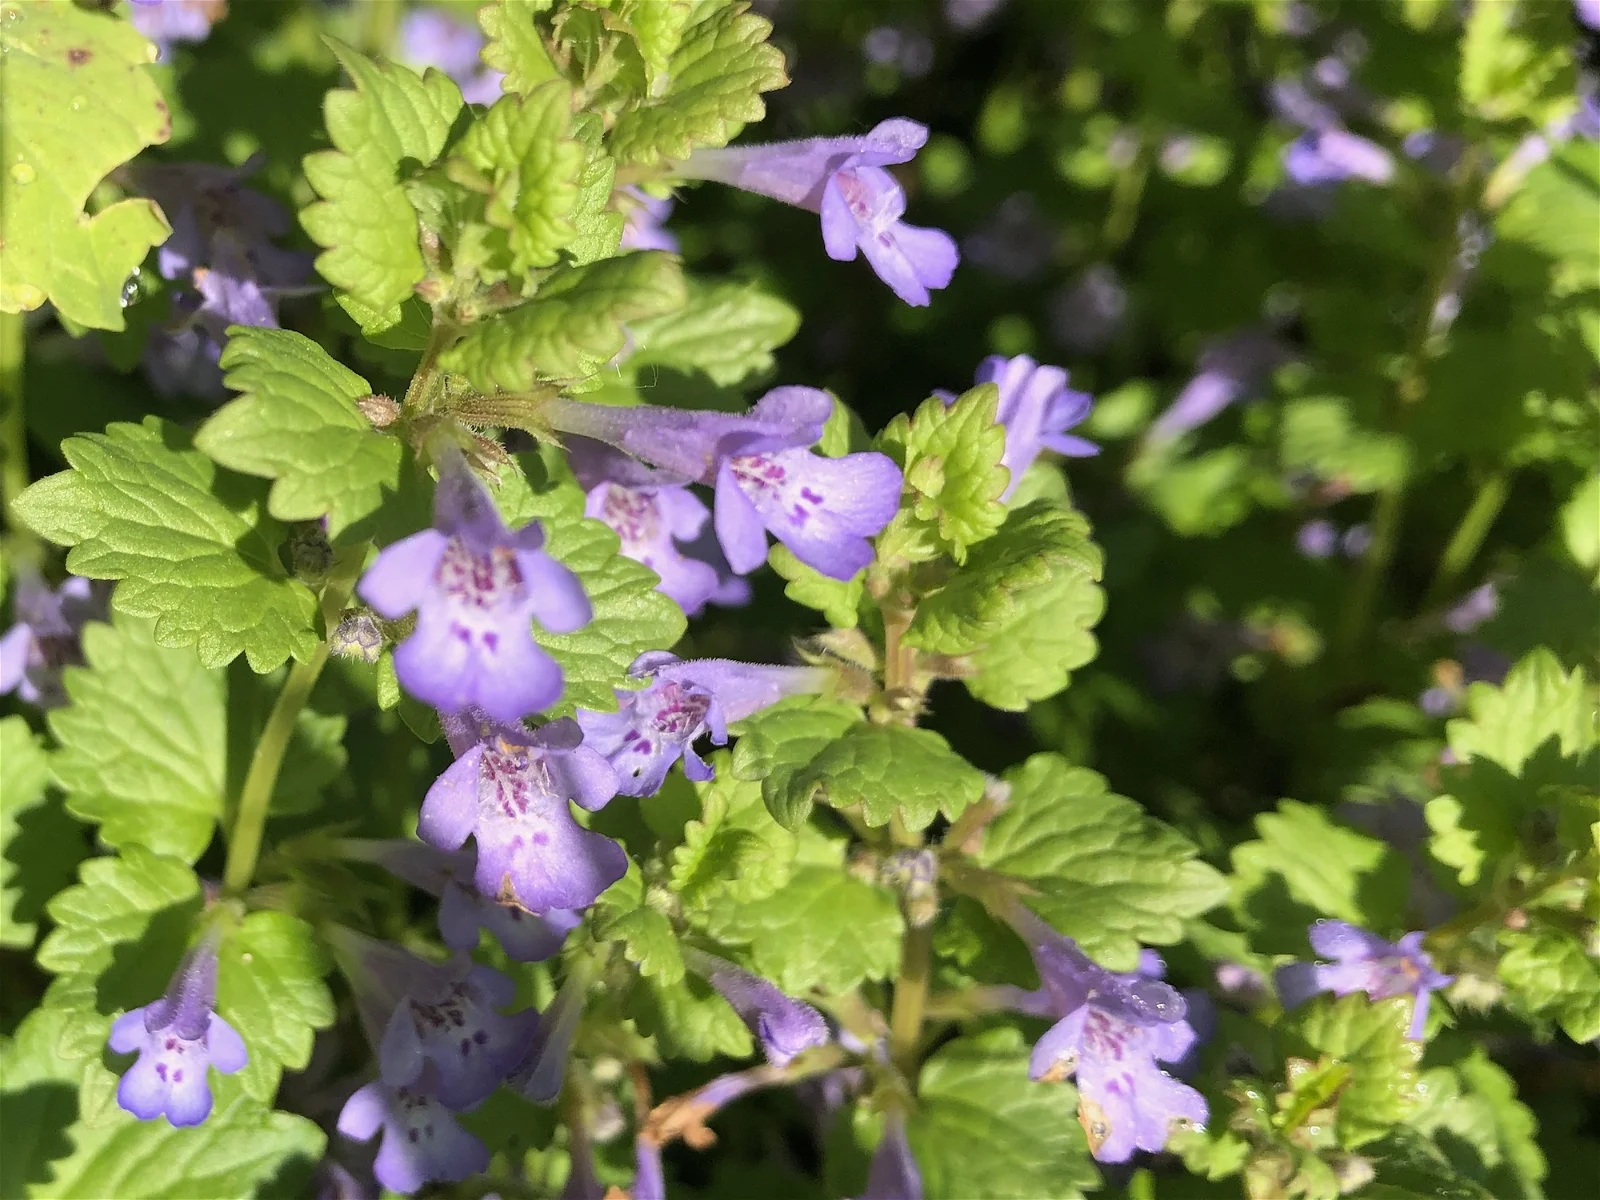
pixel 476 588
pixel 786 1026
pixel 861 204
pixel 510 789
pixel 422 1142
pixel 1364 962
pixel 657 725
pixel 1036 408
pixel 177 1038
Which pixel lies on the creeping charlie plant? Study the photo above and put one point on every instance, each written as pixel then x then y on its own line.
pixel 416 781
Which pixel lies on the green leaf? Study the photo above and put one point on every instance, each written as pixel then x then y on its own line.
pixel 1305 867
pixel 1408 1167
pixel 242 1149
pixel 951 457
pixel 630 616
pixel 1371 1037
pixel 520 155
pixel 270 989
pixel 38 1101
pixel 515 46
pixel 648 942
pixel 119 935
pixel 1102 871
pixel 839 602
pixel 1551 971
pixel 734 853
pixel 1580 526
pixel 824 930
pixel 717 71
pixel 144 742
pixel 1474 1117
pixel 1513 68
pixel 689 1019
pixel 599 226
pixel 572 327
pixel 888 770
pixel 140 506
pixel 1037 547
pixel 1319 436
pixel 80 101
pixel 1556 203
pixel 982 1130
pixel 1519 740
pixel 777 742
pixel 297 424
pixel 726 331
pixel 364 222
pixel 39 844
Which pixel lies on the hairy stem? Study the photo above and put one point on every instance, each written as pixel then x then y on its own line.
pixel 910 997
pixel 255 797
pixel 13 417
pixel 1469 536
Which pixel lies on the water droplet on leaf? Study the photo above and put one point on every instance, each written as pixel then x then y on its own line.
pixel 22 173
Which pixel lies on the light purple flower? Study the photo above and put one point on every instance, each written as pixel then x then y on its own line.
pixel 822 509
pixel 476 587
pixel 1318 538
pixel 510 789
pixel 1036 408
pixel 449 1019
pixel 688 446
pixel 1230 368
pixel 651 522
pixel 46 637
pixel 165 22
pixel 1364 962
pixel 786 1026
pixel 463 909
pixel 861 204
pixel 684 699
pixel 431 38
pixel 1588 12
pixel 1112 1031
pixel 645 215
pixel 543 1069
pixel 177 1038
pixel 422 1141
pixel 1329 156
pixel 649 1179
pixel 1472 610
pixel 893 1173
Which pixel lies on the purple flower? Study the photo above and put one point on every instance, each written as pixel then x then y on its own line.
pixel 476 587
pixel 1588 12
pixel 645 215
pixel 1111 1032
pixel 1230 368
pixel 823 509
pixel 1318 538
pixel 1330 156
pixel 1472 610
pixel 786 1026
pixel 658 724
pixel 46 637
pixel 430 38
pixel 861 204
pixel 649 1180
pixel 893 1173
pixel 1036 408
pixel 177 1037
pixel 510 789
pixel 463 909
pixel 167 21
pixel 422 1142
pixel 651 522
pixel 688 446
pixel 449 1019
pixel 1364 962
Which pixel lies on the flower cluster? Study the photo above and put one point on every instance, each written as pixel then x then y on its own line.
pixel 227 269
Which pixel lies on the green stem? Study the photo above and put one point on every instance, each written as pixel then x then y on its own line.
pixel 255 797
pixel 910 998
pixel 1126 193
pixel 1469 535
pixel 13 416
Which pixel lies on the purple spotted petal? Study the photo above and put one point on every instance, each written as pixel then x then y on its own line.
pixel 422 1143
pixel 512 792
pixel 651 522
pixel 823 509
pixel 862 206
pixel 455 1028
